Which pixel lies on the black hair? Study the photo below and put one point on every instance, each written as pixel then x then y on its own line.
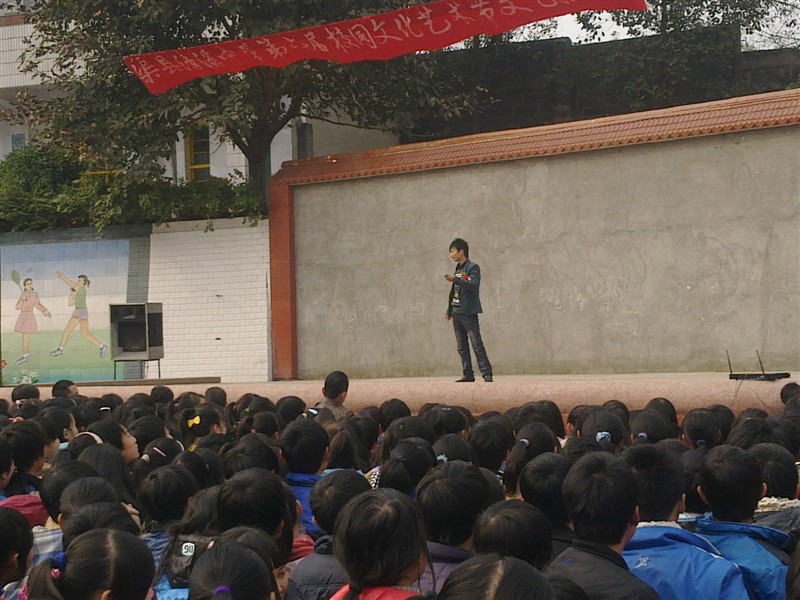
pixel 650 427
pixel 451 497
pixel 83 492
pixel 336 384
pixel 165 492
pixel 145 430
pixel 605 428
pixel 458 245
pixel 346 450
pixel 109 431
pixel 404 428
pixel 778 470
pixel 492 441
pixel 25 391
pixel 575 447
pixel 556 419
pixel 251 451
pixel 16 540
pixel 495 489
pixel 26 440
pixel 201 514
pixel 492 577
pixel 601 496
pixel 533 439
pixel 52 432
pixel 452 446
pixel 229 571
pixel 265 422
pixel 216 395
pixel 100 515
pixel 61 419
pixel 665 408
pixel 27 409
pixel 331 493
pixel 161 394
pixel 731 481
pixel 700 427
pixel 6 458
pixel 750 432
pixel 253 497
pixel 259 542
pixel 578 413
pixel 620 409
pixel 540 484
pixel 101 559
pixel 157 453
pixel 195 423
pixel 110 465
pixel 392 409
pixel 537 412
pixel 445 419
pixel 61 388
pixel 57 478
pixel 378 537
pixel 407 464
pixel 289 408
pixel 81 442
pixel 660 476
pixel 303 445
pixel 514 528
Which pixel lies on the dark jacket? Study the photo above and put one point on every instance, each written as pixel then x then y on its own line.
pixel 444 560
pixel 464 292
pixel 600 572
pixel 319 575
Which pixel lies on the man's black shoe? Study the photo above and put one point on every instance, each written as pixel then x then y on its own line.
pixel 465 380
pixel 488 378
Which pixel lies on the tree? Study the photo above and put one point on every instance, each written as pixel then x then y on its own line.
pixel 107 115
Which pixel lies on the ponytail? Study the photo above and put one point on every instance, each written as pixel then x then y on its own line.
pixel 43 581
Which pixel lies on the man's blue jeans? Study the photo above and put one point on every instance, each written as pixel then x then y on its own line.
pixel 468 330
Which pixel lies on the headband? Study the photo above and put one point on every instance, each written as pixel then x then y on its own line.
pixel 524 441
pixel 222 589
pixel 94 436
pixel 642 435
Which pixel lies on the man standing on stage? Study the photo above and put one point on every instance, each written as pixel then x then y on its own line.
pixel 463 308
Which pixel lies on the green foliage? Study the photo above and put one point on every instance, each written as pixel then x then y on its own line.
pixel 108 115
pixel 43 189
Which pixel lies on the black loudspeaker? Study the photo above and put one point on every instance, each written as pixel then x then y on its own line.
pixel 137 331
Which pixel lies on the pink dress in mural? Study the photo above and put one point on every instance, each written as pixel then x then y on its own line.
pixel 26 322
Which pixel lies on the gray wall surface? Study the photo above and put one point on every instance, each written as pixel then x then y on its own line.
pixel 647 258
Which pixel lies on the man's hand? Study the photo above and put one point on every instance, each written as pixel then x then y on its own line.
pixel 449 278
pixel 447 317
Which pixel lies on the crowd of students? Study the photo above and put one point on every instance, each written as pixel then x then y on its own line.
pixel 200 496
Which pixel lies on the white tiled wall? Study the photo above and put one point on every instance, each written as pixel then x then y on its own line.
pixel 213 286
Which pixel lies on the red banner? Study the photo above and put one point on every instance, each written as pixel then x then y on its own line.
pixel 429 26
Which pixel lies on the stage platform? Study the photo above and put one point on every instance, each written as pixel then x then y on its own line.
pixel 685 390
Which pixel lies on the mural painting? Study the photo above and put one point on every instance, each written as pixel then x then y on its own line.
pixel 54 316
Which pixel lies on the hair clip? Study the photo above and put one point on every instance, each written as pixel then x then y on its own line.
pixel 192 422
pixel 221 589
pixel 59 561
pixel 524 441
pixel 159 451
pixel 700 443
pixel 602 435
pixel 15 420
pixel 642 435
pixel 442 458
pixel 145 458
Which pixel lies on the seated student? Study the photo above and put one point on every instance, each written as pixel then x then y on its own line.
pixel 676 563
pixel 7 468
pixel 540 484
pixel 494 577
pixel 409 461
pixel 602 498
pixel 27 442
pixel 64 388
pixel 731 484
pixel 334 393
pixel 450 497
pixel 304 445
pixel 779 508
pixel 164 495
pixel 319 576
pixel 100 563
pixel 492 441
pixel 99 515
pixel 252 498
pixel 532 440
pixel 379 539
pixel 16 541
pixel 514 528
pixel 229 571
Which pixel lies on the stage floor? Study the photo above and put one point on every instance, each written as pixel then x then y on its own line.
pixel 685 390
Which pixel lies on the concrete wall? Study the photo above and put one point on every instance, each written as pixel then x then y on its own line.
pixel 646 258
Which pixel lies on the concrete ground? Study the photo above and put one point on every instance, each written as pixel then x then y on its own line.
pixel 685 390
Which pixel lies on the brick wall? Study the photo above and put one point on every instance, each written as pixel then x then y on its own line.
pixel 213 286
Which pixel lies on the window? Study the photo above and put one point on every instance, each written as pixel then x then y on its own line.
pixel 17 141
pixel 198 155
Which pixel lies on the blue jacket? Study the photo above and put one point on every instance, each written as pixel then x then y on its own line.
pixel 679 565
pixel 464 293
pixel 302 484
pixel 757 552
